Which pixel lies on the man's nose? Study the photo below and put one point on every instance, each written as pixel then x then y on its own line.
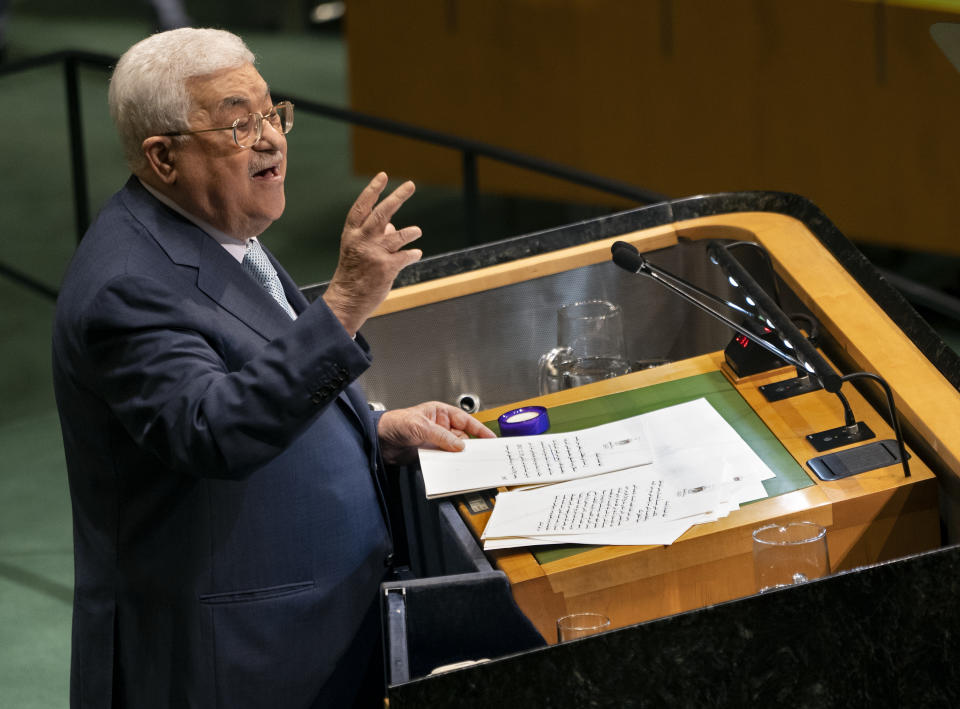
pixel 271 138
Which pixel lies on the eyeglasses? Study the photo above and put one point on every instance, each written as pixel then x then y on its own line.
pixel 248 130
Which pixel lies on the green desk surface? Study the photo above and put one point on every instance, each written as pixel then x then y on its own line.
pixel 713 387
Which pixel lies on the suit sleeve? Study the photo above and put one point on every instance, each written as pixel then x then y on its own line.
pixel 150 353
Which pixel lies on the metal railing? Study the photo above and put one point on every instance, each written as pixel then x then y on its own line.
pixel 470 150
pixel 72 60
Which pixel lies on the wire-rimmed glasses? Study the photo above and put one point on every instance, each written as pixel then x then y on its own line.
pixel 247 130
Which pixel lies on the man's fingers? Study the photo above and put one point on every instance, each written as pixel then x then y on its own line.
pixel 408 256
pixel 396 240
pixel 462 424
pixel 365 202
pixel 460 419
pixel 381 215
pixel 480 431
pixel 443 439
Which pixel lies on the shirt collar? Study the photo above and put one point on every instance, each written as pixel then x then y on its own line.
pixel 235 247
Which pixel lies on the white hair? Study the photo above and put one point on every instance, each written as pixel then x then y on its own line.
pixel 148 89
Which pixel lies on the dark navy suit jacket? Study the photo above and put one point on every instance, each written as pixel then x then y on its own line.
pixel 229 528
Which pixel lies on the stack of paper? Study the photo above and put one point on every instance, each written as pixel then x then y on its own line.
pixel 526 460
pixel 642 480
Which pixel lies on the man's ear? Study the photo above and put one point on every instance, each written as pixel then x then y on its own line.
pixel 158 149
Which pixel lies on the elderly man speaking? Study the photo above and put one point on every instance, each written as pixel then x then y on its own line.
pixel 226 474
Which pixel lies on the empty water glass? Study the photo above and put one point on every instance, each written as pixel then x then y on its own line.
pixel 589 346
pixel 791 553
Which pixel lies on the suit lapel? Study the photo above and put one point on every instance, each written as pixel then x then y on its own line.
pixel 294 296
pixel 219 275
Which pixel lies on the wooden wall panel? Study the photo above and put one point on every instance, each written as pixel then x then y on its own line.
pixel 848 103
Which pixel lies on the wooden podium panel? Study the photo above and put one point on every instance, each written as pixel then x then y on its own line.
pixel 870 517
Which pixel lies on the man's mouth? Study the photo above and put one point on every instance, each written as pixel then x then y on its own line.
pixel 267 173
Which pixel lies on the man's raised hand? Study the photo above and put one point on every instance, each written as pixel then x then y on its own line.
pixel 372 253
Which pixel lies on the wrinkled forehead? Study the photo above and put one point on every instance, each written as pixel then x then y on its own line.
pixel 225 90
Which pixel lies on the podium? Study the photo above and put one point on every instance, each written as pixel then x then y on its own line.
pixel 877 517
pixel 871 517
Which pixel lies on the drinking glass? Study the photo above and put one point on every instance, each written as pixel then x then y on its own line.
pixel 790 553
pixel 580 625
pixel 589 346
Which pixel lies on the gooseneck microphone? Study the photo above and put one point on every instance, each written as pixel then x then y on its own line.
pixel 796 349
pixel 627 257
pixel 777 320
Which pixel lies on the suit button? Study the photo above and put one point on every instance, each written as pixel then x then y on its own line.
pixel 388 560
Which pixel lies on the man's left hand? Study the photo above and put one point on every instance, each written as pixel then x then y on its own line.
pixel 429 425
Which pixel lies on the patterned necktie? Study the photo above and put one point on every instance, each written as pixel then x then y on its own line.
pixel 256 263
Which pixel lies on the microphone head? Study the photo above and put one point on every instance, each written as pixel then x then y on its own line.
pixel 627 257
pixel 711 253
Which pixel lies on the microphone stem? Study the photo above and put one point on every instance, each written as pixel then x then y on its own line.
pixel 682 283
pixel 891 409
pixel 850 421
pixel 736 327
